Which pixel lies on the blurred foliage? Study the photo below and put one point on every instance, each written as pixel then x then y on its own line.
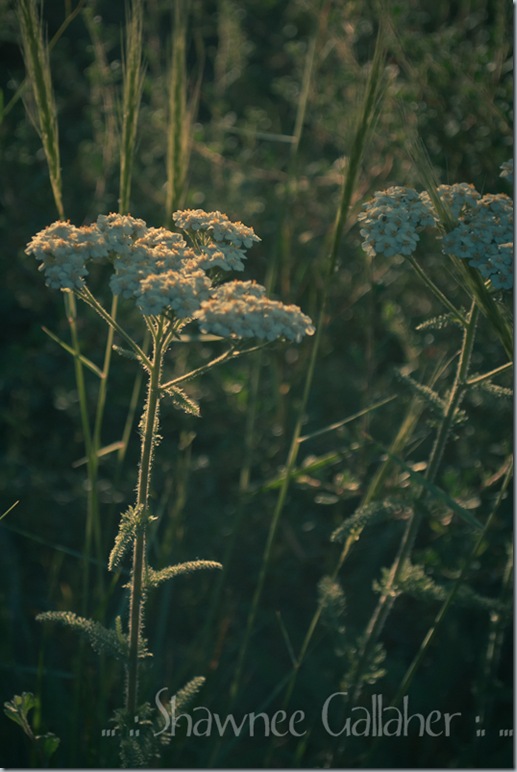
pixel 448 81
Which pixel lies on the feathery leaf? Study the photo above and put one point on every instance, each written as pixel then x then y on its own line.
pixel 154 578
pixel 102 640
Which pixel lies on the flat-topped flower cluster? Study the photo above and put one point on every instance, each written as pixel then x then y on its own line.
pixel 164 274
pixel 392 221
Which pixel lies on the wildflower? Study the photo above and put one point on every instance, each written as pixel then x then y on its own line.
pixel 484 237
pixel 391 222
pixel 221 242
pixel 64 250
pixel 241 310
pixel 181 291
pixel 458 197
pixel 120 231
pixel 216 225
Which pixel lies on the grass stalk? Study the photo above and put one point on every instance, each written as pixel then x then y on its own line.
pixel 178 124
pixel 133 80
pixel 361 134
pixel 37 63
pixel 389 594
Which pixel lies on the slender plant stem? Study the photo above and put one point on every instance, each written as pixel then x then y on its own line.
pixel 137 585
pixel 389 594
pixel 358 145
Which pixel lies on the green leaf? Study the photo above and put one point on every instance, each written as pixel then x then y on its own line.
pixel 182 400
pixel 155 578
pixel 376 512
pixel 185 695
pixel 48 744
pixel 101 638
pixel 125 352
pixel 130 522
pixel 433 400
pixel 18 709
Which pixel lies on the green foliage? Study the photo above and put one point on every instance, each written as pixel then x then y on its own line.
pixel 415 581
pixel 376 512
pixel 130 523
pixel 183 401
pixel 18 710
pixel 154 578
pixel 139 747
pixel 186 694
pixel 441 322
pixel 102 640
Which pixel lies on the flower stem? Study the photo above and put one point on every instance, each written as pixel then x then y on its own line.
pixel 149 430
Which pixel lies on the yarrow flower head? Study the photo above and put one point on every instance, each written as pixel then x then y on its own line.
pixel 221 242
pixel 242 310
pixel 162 274
pixel 484 237
pixel 484 234
pixel 391 221
pixel 182 291
pixel 64 251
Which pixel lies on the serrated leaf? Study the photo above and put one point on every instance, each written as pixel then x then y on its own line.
pixel 130 521
pixel 155 578
pixel 101 638
pixel 440 322
pixel 376 512
pixel 433 400
pixel 185 695
pixel 182 400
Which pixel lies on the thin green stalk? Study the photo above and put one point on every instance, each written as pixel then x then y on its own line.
pixel 358 145
pixel 88 298
pixel 131 97
pixel 389 594
pixel 177 135
pixel 37 63
pixel 139 568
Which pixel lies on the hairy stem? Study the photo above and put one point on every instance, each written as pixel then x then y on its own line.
pixel 149 430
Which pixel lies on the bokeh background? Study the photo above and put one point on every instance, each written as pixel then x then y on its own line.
pixel 448 82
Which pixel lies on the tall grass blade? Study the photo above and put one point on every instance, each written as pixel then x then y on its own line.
pixel 133 80
pixel 37 63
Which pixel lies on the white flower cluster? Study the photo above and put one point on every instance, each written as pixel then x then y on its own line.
pixel 484 237
pixel 391 221
pixel 158 270
pixel 182 291
pixel 240 309
pixel 64 251
pixel 221 242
